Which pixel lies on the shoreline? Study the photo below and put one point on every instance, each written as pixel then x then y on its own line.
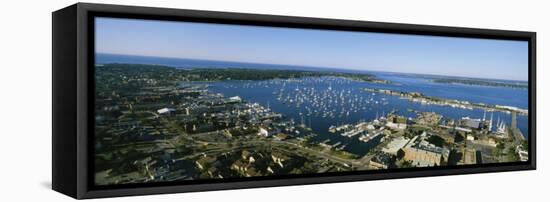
pixel 430 100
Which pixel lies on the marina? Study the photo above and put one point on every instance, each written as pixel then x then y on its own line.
pixel 331 104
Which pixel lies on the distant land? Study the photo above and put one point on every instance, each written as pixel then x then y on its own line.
pixel 479 82
pixel 221 74
pixel 105 58
pixel 185 63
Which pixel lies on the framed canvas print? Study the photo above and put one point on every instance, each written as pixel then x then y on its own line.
pixel 154 100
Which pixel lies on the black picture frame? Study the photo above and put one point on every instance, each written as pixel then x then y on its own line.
pixel 73 103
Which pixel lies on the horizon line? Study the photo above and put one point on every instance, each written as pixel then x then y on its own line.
pixel 309 66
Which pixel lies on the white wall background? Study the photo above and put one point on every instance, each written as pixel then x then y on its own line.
pixel 25 99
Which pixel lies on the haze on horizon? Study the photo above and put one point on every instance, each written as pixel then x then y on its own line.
pixel 450 56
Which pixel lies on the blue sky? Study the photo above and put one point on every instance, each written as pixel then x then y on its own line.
pixel 499 59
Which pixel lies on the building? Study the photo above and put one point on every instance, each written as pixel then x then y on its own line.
pixel 396 144
pixel 279 158
pixel 263 132
pixel 423 154
pixel 466 130
pixel 376 165
pixel 469 157
pixel 523 154
pixel 166 111
pixel 239 166
pixel 471 123
pixel 234 99
pixel 247 156
pixel 396 126
pixel 428 118
pixel 421 158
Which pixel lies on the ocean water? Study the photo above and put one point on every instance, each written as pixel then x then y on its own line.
pixel 326 101
pixel 336 97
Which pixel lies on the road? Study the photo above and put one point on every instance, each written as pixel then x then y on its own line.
pixel 359 163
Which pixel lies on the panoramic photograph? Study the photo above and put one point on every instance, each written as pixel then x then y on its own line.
pixel 183 101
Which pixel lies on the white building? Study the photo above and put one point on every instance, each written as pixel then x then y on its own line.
pixel 165 111
pixel 263 132
pixel 396 126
